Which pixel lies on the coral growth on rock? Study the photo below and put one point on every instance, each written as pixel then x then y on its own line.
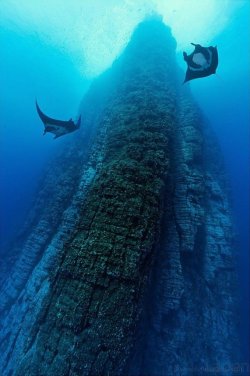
pixel 129 270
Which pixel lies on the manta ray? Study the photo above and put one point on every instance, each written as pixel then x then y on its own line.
pixel 57 127
pixel 202 62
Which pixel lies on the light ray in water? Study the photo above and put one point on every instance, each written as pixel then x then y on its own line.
pixel 94 32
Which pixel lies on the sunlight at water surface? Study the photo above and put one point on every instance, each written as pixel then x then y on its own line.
pixel 93 32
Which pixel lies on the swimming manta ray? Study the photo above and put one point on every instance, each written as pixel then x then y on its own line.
pixel 57 127
pixel 202 62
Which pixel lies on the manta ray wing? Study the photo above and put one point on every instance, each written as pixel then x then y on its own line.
pixel 202 62
pixel 57 127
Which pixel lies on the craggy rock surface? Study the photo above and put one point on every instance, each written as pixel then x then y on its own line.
pixel 125 264
pixel 190 308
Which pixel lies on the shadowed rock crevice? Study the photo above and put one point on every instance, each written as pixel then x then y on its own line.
pixel 140 253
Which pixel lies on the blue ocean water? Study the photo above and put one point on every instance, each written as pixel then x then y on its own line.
pixel 226 102
pixel 34 65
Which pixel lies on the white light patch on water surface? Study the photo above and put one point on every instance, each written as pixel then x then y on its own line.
pixel 94 32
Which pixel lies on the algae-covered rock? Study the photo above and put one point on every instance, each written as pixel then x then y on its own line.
pixel 138 257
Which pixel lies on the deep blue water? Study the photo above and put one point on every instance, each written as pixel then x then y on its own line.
pixel 31 68
pixel 226 102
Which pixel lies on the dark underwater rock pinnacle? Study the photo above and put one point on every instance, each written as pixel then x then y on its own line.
pixel 135 275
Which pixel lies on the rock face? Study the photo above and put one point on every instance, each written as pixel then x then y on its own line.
pixel 129 269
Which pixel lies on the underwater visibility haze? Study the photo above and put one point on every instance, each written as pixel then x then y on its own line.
pixel 125 240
